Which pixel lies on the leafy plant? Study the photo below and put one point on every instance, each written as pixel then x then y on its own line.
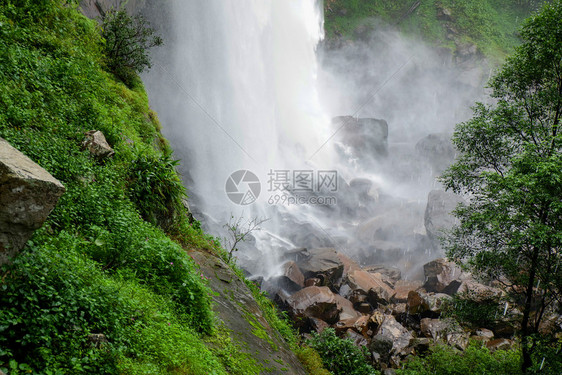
pixel 156 189
pixel 476 359
pixel 340 356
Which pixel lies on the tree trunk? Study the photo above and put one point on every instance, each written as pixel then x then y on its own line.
pixel 525 332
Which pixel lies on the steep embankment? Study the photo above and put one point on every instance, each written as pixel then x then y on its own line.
pixel 105 286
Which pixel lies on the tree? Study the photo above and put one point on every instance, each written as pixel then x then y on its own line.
pixel 239 231
pixel 127 41
pixel 510 169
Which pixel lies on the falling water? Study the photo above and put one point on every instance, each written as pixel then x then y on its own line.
pixel 236 89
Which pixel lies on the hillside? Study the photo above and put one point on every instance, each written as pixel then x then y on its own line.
pixel 106 285
pixel 490 24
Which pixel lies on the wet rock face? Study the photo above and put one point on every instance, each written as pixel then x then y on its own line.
pixel 317 302
pixel 322 263
pixel 28 194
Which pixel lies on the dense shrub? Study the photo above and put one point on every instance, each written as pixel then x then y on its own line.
pixel 341 357
pixel 476 359
pixel 127 41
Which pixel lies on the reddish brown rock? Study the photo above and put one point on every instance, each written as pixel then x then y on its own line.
pixel 345 307
pixel 293 273
pixel 416 303
pixel 324 264
pixel 348 264
pixel 315 302
pixel 402 288
pixel 359 324
pixel 370 284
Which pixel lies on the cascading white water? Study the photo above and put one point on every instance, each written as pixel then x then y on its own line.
pixel 236 89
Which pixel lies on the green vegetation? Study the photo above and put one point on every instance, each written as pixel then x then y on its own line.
pixel 127 41
pixel 465 308
pixel 340 356
pixel 490 24
pixel 103 265
pixel 510 164
pixel 476 359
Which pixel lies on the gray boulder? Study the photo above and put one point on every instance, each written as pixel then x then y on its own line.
pixel 442 276
pixel 437 149
pixel 393 330
pixel 437 217
pixel 28 194
pixel 96 143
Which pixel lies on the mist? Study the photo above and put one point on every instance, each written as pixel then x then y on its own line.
pixel 251 85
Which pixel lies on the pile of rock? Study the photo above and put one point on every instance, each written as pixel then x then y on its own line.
pixel 372 305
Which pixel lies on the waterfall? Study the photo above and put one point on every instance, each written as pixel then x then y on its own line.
pixel 243 99
pixel 235 87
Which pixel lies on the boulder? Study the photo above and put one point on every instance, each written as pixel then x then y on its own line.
pixel 393 330
pixel 345 308
pixel 356 338
pixel 391 274
pixel 362 136
pixel 382 345
pixel 359 324
pixel 436 301
pixel 371 285
pixel 97 145
pixel 28 194
pixel 438 150
pixel 499 344
pixel 416 303
pixel 315 302
pixel 443 276
pixel 420 344
pixel 437 217
pixel 479 292
pixel 486 333
pixel 291 271
pixel 402 288
pixel 324 264
pixel 445 330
